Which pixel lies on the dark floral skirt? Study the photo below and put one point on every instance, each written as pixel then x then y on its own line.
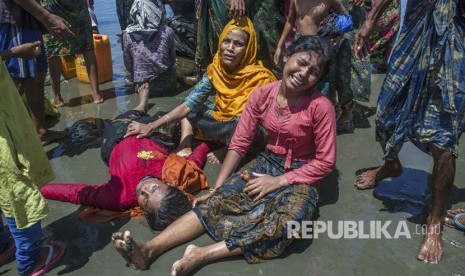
pixel 258 228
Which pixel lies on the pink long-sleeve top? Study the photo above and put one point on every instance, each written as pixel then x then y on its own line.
pixel 305 132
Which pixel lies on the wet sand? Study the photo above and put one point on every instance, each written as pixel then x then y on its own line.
pixel 90 252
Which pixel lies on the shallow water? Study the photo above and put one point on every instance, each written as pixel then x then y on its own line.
pixel 89 249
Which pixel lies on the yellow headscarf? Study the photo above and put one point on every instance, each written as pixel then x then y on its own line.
pixel 234 88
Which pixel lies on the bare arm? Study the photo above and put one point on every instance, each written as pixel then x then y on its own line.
pixel 145 130
pixel 55 25
pixel 236 8
pixel 338 7
pixel 363 35
pixel 290 22
pixel 230 163
pixel 26 51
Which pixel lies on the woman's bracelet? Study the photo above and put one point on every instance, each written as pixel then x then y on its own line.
pixel 167 118
pixel 211 190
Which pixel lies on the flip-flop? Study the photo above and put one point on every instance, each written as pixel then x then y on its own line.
pixel 457 222
pixel 49 262
pixel 9 254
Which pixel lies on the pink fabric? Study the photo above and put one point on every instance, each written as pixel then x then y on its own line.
pixel 126 170
pixel 307 132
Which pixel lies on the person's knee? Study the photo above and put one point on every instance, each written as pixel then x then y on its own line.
pixel 441 155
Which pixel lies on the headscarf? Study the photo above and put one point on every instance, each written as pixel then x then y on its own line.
pixel 145 15
pixel 234 88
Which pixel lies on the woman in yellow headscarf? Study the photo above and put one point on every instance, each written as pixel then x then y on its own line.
pixel 234 73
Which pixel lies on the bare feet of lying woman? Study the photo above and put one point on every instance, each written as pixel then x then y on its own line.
pixel 193 257
pixel 371 177
pixel 130 250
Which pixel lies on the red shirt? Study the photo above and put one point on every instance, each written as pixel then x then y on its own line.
pixel 307 132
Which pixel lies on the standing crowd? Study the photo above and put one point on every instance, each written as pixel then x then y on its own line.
pixel 286 77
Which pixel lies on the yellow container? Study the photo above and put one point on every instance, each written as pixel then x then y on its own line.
pixel 103 55
pixel 68 66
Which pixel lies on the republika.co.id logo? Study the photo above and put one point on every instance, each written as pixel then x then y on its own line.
pixel 348 229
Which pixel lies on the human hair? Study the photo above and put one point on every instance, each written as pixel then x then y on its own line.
pixel 173 205
pixel 315 44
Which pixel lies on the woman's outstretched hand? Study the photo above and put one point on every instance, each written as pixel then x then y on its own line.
pixel 263 184
pixel 141 130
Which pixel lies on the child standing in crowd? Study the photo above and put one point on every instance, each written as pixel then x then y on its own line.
pixel 307 16
pixel 77 14
pixel 24 168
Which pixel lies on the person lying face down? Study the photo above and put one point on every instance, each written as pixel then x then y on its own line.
pixel 139 172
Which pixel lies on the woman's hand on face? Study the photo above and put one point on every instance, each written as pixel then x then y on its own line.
pixel 141 130
pixel 263 184
pixel 200 199
pixel 236 8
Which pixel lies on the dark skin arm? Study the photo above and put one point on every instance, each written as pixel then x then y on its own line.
pixel 26 51
pixel 361 47
pixel 55 25
pixel 236 8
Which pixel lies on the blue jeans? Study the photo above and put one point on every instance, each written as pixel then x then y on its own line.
pixel 27 243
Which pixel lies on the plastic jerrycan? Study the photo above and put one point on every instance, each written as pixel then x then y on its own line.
pixel 68 66
pixel 103 56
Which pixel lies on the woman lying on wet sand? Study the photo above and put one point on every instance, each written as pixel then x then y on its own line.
pixel 250 218
pixel 140 170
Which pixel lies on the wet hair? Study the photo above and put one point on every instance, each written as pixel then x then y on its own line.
pixel 173 205
pixel 315 44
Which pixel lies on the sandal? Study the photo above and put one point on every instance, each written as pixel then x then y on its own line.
pixel 51 260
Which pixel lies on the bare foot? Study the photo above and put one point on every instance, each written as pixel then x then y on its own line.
pixel 58 102
pixel 185 152
pixel 193 257
pixel 449 219
pixel 51 135
pixel 369 178
pixel 130 250
pixel 98 100
pixel 143 92
pixel 431 247
pixel 217 156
